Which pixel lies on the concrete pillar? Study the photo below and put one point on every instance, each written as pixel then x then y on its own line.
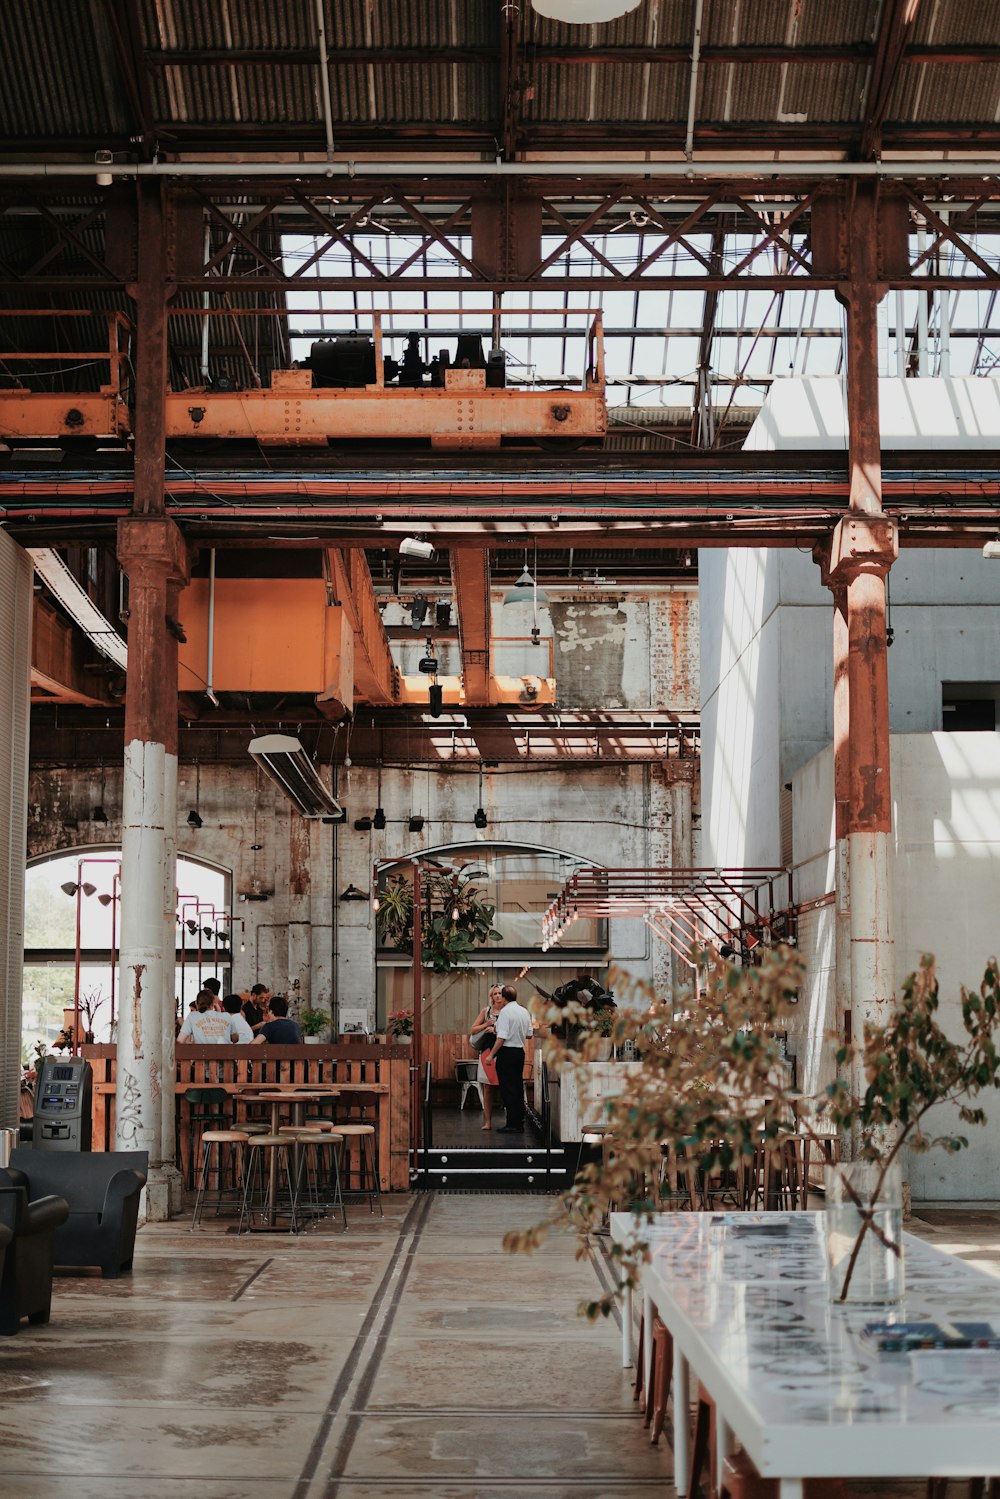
pixel 680 858
pixel 173 1178
pixel 153 555
pixel 854 564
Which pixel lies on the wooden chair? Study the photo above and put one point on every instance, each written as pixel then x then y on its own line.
pixel 740 1480
pixel 676 1188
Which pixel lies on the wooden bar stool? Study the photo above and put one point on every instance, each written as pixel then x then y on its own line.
pixel 703 1445
pixel 312 1140
pixel 224 1142
pixel 266 1208
pixel 368 1182
pixel 740 1480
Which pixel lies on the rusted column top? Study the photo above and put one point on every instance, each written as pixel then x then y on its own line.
pixel 857 544
pixel 153 544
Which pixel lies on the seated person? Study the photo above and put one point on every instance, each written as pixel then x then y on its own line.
pixel 233 1006
pixel 205 1025
pixel 214 987
pixel 279 1030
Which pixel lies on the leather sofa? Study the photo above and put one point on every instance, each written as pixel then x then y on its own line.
pixel 26 1277
pixel 102 1189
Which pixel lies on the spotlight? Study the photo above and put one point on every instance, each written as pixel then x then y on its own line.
pixel 192 926
pixel 87 888
pixel 442 614
pixel 480 820
pixel 435 699
pixel 99 815
pixel 362 824
pixel 418 611
pixel 412 546
pixel 378 821
pixel 69 888
pixel 104 900
pixel 222 939
pixel 416 824
pixel 727 950
pixel 207 931
pixel 193 820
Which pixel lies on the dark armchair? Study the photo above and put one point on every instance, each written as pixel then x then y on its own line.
pixel 102 1189
pixel 26 1277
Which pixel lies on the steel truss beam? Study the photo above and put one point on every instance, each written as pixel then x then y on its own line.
pixel 769 221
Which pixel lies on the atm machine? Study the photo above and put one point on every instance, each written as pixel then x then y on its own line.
pixel 63 1091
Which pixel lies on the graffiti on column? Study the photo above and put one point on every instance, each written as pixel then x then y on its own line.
pixel 130 1116
pixel 138 970
pixel 154 1082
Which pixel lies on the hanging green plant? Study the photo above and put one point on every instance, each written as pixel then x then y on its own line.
pixel 455 920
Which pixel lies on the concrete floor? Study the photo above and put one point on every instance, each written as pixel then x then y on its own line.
pixel 409 1356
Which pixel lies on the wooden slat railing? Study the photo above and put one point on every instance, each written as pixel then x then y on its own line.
pixel 381 1075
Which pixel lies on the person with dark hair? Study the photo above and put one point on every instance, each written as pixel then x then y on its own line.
pixel 279 1030
pixel 252 1014
pixel 513 1028
pixel 233 1006
pixel 205 1025
pixel 214 987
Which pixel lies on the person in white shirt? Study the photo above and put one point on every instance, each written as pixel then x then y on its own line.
pixel 206 1026
pixel 513 1028
pixel 233 1006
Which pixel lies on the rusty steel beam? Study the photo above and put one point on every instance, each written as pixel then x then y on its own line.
pixel 376 677
pixel 150 297
pixel 470 581
pixel 896 25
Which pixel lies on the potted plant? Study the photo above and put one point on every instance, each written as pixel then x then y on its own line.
pixel 714 1088
pixel 314 1024
pixel 399 1026
pixel 455 920
pixel 89 1006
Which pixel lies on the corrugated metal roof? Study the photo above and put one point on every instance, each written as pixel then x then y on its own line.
pixel 62 77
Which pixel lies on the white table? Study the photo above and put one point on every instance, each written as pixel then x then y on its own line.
pixel 744 1296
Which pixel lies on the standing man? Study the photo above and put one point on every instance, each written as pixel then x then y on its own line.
pixel 513 1028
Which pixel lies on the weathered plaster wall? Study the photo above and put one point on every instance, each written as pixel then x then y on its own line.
pixel 303 937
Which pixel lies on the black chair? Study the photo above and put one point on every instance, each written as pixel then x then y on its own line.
pixel 6 1235
pixel 26 1278
pixel 102 1190
pixel 208 1108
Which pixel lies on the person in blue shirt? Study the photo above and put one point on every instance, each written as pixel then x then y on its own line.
pixel 278 1029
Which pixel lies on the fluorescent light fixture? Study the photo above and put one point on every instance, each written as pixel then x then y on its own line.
pixel 62 585
pixel 992 551
pixel 412 546
pixel 283 759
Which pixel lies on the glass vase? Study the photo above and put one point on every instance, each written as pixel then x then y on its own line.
pixel 864 1232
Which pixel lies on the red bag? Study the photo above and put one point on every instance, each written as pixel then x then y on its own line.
pixel 490 1068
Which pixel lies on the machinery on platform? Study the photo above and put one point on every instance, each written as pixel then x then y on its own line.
pixel 457 395
pixel 63 1096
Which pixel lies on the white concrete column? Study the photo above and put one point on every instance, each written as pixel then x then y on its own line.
pixel 153 554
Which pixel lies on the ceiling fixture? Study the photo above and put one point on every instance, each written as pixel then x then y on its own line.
pixel 282 758
pixel 378 821
pixel 991 551
pixel 194 817
pixel 526 590
pixel 413 546
pixel 584 12
pixel 416 824
pixel 435 699
pixel 442 613
pixel 428 664
pixel 418 611
pixel 480 820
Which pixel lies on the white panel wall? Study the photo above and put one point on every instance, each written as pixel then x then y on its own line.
pixel 16 576
pixel 946 882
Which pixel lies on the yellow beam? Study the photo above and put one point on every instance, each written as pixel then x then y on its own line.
pixel 376 677
pixel 470 581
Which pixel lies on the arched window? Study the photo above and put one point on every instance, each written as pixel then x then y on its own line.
pixel 72 923
pixel 520 881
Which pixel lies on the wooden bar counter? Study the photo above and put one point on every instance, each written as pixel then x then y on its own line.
pixel 373 1083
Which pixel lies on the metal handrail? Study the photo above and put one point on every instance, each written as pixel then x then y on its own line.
pixel 427 1111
